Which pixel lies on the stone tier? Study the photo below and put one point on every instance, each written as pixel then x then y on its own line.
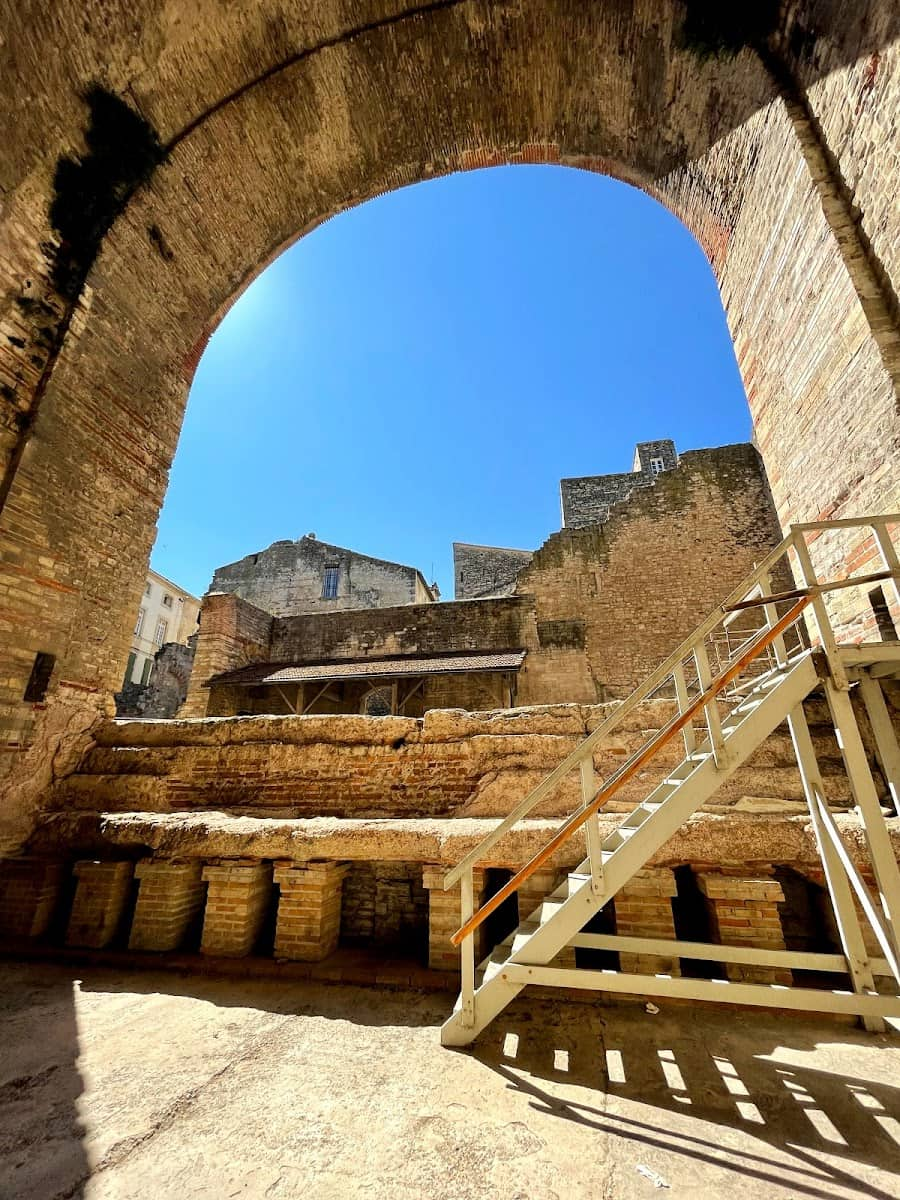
pixel 447 764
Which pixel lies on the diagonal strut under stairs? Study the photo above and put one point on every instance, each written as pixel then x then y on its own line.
pixel 762 682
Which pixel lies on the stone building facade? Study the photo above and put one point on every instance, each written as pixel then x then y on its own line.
pixel 480 571
pixel 313 576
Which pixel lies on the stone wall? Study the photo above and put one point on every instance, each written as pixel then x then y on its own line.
pixel 384 904
pixel 167 688
pixel 597 609
pixel 587 500
pixel 446 764
pixel 640 582
pixel 485 570
pixel 288 578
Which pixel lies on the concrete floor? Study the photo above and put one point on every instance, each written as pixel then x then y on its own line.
pixel 145 1084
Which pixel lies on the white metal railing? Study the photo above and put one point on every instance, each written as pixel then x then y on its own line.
pixel 693 675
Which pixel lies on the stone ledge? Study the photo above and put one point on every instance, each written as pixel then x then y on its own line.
pixel 709 841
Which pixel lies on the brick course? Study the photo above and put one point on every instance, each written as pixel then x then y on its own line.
pixel 100 899
pixel 169 900
pixel 236 903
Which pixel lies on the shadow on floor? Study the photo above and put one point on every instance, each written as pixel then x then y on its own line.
pixel 741 1072
pixel 41 1136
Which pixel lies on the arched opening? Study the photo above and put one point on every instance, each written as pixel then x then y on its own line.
pixel 435 369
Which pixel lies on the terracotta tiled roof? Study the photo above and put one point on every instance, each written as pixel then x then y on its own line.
pixel 445 664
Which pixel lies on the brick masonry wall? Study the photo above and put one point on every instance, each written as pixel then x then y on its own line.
pixel 100 903
pixel 385 905
pixel 232 634
pixel 263 146
pixel 237 898
pixel 170 898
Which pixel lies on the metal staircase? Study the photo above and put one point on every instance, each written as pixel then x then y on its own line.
pixel 762 682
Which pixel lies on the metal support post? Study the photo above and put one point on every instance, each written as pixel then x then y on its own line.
pixel 823 621
pixel 592 826
pixel 889 555
pixel 886 746
pixel 881 853
pixel 711 709
pixel 852 943
pixel 765 587
pixel 681 695
pixel 467 949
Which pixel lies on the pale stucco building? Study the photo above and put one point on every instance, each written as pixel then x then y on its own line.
pixel 167 613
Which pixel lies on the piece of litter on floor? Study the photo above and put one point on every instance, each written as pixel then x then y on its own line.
pixel 655 1178
pixel 651 1008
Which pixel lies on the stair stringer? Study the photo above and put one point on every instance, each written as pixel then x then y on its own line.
pixel 542 944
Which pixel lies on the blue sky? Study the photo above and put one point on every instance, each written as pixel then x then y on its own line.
pixel 426 367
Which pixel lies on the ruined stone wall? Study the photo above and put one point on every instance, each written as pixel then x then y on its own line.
pixel 640 583
pixel 233 633
pixel 498 624
pixel 288 578
pixel 485 570
pixel 446 765
pixel 167 688
pixel 587 500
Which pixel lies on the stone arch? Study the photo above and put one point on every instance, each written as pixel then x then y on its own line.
pixel 275 117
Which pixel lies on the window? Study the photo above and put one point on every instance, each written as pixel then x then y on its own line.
pixel 148 590
pixel 167 601
pixel 39 680
pixel 657 466
pixel 129 670
pixel 161 630
pixel 148 667
pixel 377 703
pixel 140 622
pixel 330 583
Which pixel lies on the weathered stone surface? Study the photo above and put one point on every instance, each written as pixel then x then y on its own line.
pixel 715 839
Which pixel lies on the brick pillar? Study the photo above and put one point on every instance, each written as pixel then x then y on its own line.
pixel 309 909
pixel 443 918
pixel 29 889
pixel 744 912
pixel 871 942
pixel 236 903
pixel 644 909
pixel 100 898
pixel 170 897
pixel 533 891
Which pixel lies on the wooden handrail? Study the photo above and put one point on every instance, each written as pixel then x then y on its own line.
pixel 629 769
